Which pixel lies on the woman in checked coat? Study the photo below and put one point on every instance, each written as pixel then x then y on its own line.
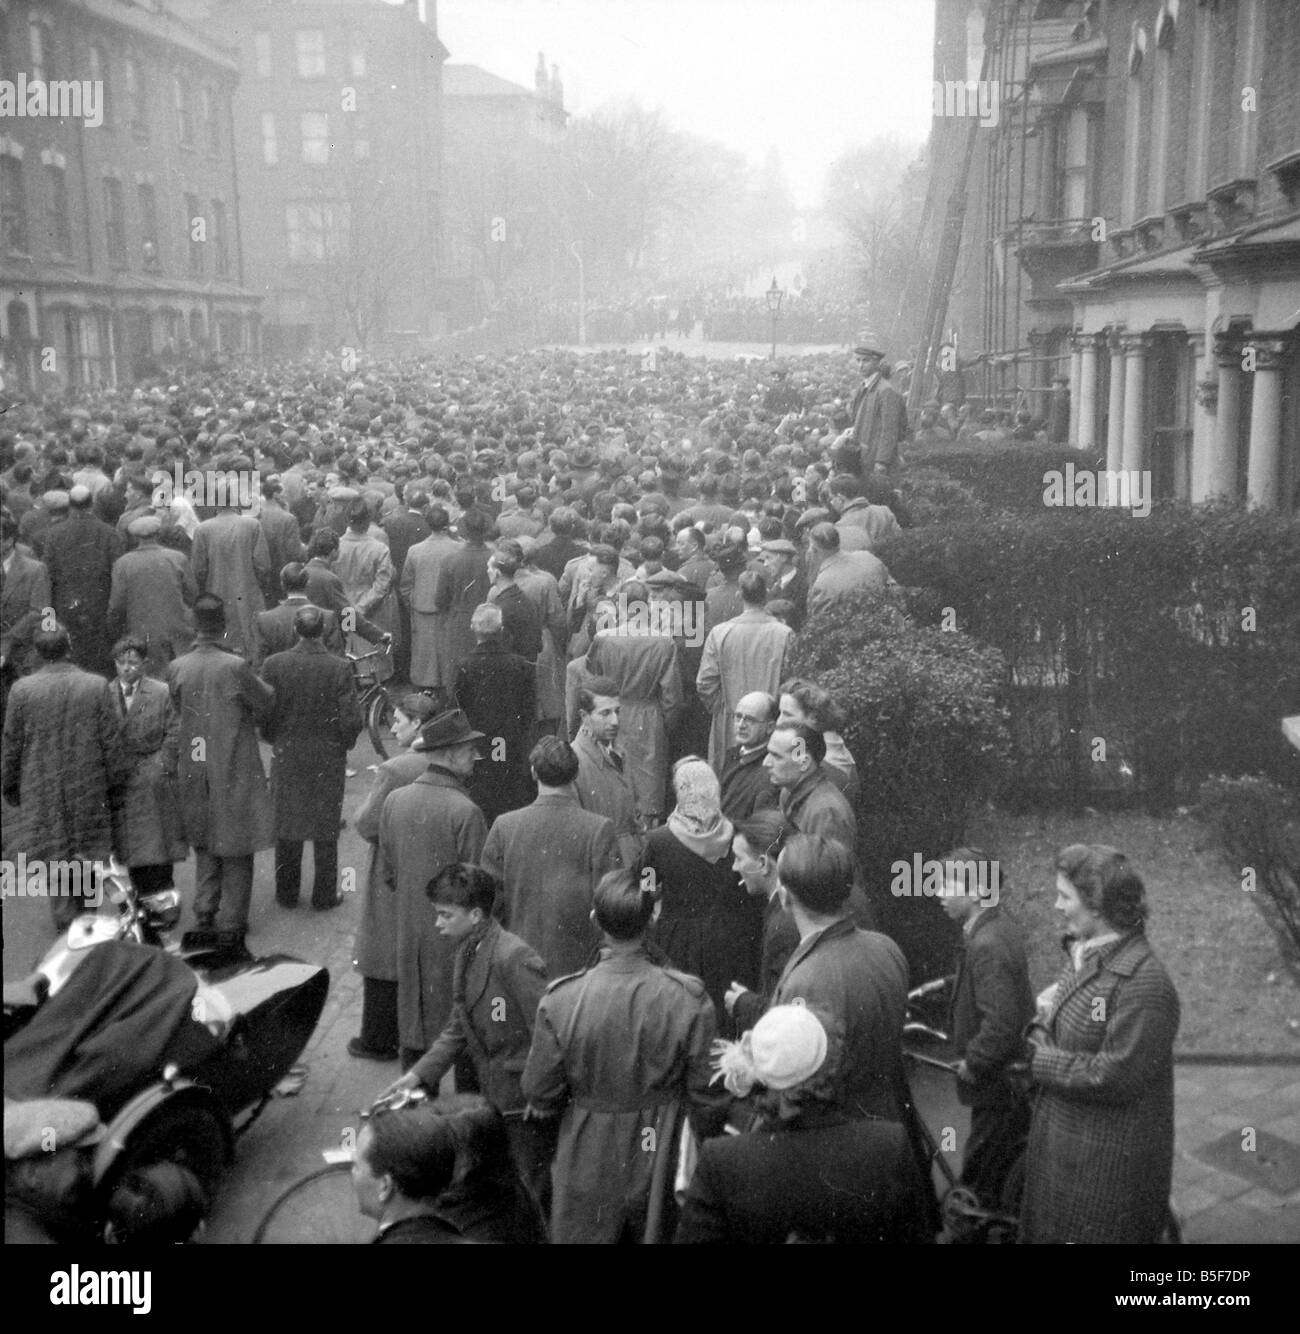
pixel 1101 1144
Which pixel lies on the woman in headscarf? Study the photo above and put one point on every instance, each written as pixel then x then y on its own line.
pixel 708 925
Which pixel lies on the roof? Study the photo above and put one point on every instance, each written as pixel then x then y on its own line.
pixel 1165 264
pixel 473 81
pixel 164 27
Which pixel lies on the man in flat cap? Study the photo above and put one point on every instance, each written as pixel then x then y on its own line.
pixel 48 1147
pixel 150 595
pixel 785 580
pixel 879 411
pixel 79 556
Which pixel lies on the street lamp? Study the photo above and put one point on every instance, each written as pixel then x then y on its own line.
pixel 774 297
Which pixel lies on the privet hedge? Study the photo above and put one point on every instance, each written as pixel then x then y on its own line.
pixel 1139 654
pixel 1010 478
pixel 929 739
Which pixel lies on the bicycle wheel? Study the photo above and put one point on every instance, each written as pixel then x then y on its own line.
pixel 318 1210
pixel 379 718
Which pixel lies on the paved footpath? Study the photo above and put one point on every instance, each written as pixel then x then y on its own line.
pixel 1237 1150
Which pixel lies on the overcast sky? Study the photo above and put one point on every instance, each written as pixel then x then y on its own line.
pixel 808 77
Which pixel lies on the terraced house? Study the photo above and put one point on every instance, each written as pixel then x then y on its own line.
pixel 120 249
pixel 1132 238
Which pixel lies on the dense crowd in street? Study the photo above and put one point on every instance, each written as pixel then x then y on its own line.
pixel 613 886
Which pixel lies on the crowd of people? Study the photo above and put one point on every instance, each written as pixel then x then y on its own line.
pixel 619 829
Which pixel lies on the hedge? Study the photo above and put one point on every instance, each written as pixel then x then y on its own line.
pixel 1172 640
pixel 1010 478
pixel 929 739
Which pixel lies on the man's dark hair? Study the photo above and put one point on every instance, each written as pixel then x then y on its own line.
pixel 293 578
pixel 324 542
pixel 598 685
pixel 52 645
pixel 414 1145
pixel 753 588
pixel 553 761
pixel 826 536
pixel 359 516
pixel 464 885
pixel 438 519
pixel 130 644
pixel 766 831
pixel 623 908
pixel 309 622
pixel 473 525
pixel 817 871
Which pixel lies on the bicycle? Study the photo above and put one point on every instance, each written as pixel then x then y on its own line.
pixel 967 1220
pixel 376 703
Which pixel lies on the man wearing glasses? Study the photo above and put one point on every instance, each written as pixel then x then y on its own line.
pixel 746 787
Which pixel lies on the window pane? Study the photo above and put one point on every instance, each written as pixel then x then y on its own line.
pixel 262 54
pixel 315 137
pixel 148 201
pixel 56 204
pixel 13 206
pixel 310 46
pixel 114 222
pixel 270 151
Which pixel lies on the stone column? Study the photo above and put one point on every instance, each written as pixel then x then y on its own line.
pixel 1264 469
pixel 1115 427
pixel 1223 473
pixel 1136 347
pixel 1089 351
pixel 1076 364
pixel 1040 378
pixel 1059 429
pixel 1205 418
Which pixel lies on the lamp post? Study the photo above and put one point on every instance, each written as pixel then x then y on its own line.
pixel 774 297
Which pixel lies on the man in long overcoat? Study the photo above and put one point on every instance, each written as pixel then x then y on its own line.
pixel 879 412
pixel 462 584
pixel 79 555
pixel 364 566
pixel 405 526
pixel 496 690
pixel 549 858
pixel 424 826
pixel 431 664
pixel 313 723
pixel 230 560
pixel 376 944
pixel 742 655
pixel 225 803
pixel 151 596
pixel 283 536
pixel 60 763
pixel 642 661
pixel 146 810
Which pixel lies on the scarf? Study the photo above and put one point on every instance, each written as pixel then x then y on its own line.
pixel 697 820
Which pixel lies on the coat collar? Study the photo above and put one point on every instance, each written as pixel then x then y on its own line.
pixel 843 926
pixel 436 776
pixel 1122 958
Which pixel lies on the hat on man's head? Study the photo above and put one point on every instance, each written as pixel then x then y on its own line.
pixel 781 547
pixel 55 502
pixel 46 1125
pixel 80 495
pixel 867 344
pixel 147 525
pixel 446 729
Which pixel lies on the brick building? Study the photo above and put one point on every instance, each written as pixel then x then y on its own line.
pixel 338 131
pixel 1140 201
pixel 120 245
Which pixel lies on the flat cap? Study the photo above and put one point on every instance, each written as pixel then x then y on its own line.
pixel 781 547
pixel 55 501
pixel 147 525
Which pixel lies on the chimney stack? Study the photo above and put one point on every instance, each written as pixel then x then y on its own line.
pixel 557 88
pixel 539 78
